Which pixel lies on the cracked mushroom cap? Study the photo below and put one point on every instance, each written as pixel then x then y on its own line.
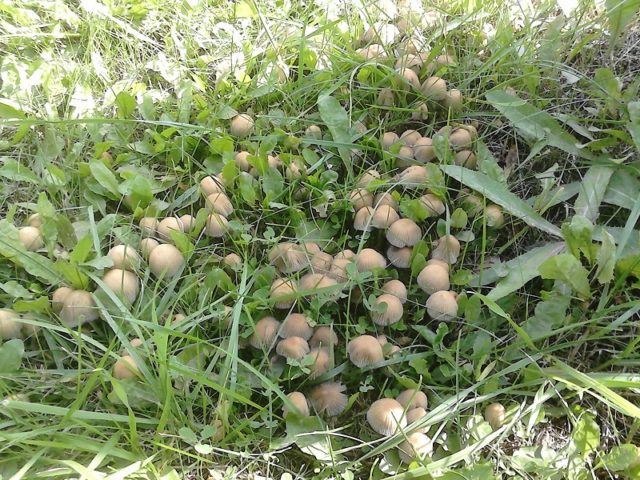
pixel 30 238
pixel 363 220
pixel 361 198
pixel 397 289
pixel 10 326
pixel 78 308
pixel 166 260
pixel 123 283
pixel 442 306
pixel 283 293
pixel 434 205
pixel 383 217
pixel 447 249
pixel 148 226
pixel 386 416
pixel 264 333
pixel 219 203
pixel 58 298
pixel 368 177
pixel 168 225
pixel 147 245
pixel 434 88
pixel 210 185
pixel 433 278
pixel 328 398
pixel 125 368
pixel 417 445
pixel 324 336
pixel 321 362
pixel 364 350
pixel 299 403
pixel 217 226
pixel 293 347
pixel 288 257
pixel 296 325
pixel 412 398
pixel 385 198
pixel 400 257
pixel 393 312
pixel 404 233
pixel 495 414
pixel 412 177
pixel 125 257
pixel 369 259
pixel 241 125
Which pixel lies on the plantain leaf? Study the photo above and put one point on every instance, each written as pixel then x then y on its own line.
pixel 568 269
pixel 337 121
pixel 592 191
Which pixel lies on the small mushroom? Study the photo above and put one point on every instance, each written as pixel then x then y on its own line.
pixel 345 255
pixel 168 225
pixel 363 220
pixel 148 226
pixel 405 157
pixel 288 257
pixel 264 333
pixel 399 257
pixel 58 298
pixel 283 293
pixel 386 416
pixel 147 245
pixel 385 198
pixel 329 398
pixel 447 249
pixel 10 326
pixel 124 257
pixel 123 283
pixel 324 336
pixel 241 125
pixel 217 226
pixel 423 150
pixel 321 362
pixel 413 177
pixel 313 131
pixel 30 238
pixel 299 403
pixel 361 198
pixel 383 217
pixel 166 260
pixel 369 259
pixel 415 415
pixel 393 312
pixel 453 100
pixel 219 203
pixel 434 205
pixel 397 289
pixel 241 160
pixel 442 306
pixel 78 308
pixel 417 445
pixel 35 220
pixel 495 414
pixel 232 260
pixel 460 139
pixel 125 368
pixel 296 325
pixel 404 233
pixel 495 217
pixel 321 262
pixel 412 398
pixel 421 111
pixel 368 177
pixel 188 223
pixel 409 78
pixel 364 351
pixel 410 137
pixel 433 278
pixel 210 185
pixel 465 158
pixel 293 347
pixel 434 88
pixel 388 140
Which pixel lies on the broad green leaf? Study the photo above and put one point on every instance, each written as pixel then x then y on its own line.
pixel 623 188
pixel 606 258
pixel 337 121
pixel 634 124
pixel 479 471
pixel 13 170
pixel 11 353
pixel 535 124
pixel 82 249
pixel 586 435
pixel 8 111
pixel 105 177
pixel 620 13
pixel 139 191
pixel 577 234
pixel 620 457
pixel 592 190
pixel 15 290
pixel 608 82
pixel 247 189
pixel 549 315
pixel 39 305
pixel 568 269
pixel 487 164
pixel 459 218
pixel 126 104
pixel 498 193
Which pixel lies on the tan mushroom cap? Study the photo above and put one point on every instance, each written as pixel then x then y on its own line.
pixel 283 293
pixel 288 257
pixel 264 333
pixel 442 306
pixel 10 326
pixel 123 283
pixel 148 226
pixel 321 262
pixel 168 225
pixel 293 347
pixel 385 198
pixel 412 398
pixel 313 131
pixel 324 336
pixel 433 278
pixel 368 177
pixel 345 254
pixel 125 368
pixel 386 416
pixel 241 125
pixel 417 445
pixel 78 308
pixel 311 281
pixel 147 245
pixel 388 140
pixel 495 217
pixel 495 414
pixel 166 260
pixel 125 257
pixel 296 325
pixel 409 77
pixel 397 289
pixel 410 60
pixel 369 259
pixel 363 220
pixel 435 261
pixel 404 233
pixel 383 217
pixel 300 405
pixel 364 350
pixel 30 238
pixel 434 88
pixel 447 249
pixel 421 112
pixel 361 198
pixel 393 312
pixel 241 160
pixel 413 177
pixel 217 226
pixel 460 139
pixel 453 100
pixel 399 257
pixel 210 185
pixel 410 137
pixel 466 158
pixel 405 157
pixel 321 362
pixel 219 203
pixel 35 220
pixel 188 222
pixel 58 298
pixel 328 398
pixel 382 340
pixel 415 415
pixel 434 205
pixel 423 150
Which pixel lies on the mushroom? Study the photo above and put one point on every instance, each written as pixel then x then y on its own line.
pixel 405 157
pixel 296 325
pixel 35 220
pixel 324 336
pixel 412 398
pixel 404 233
pixel 368 260
pixel 148 226
pixel 400 257
pixel 434 205
pixel 219 203
pixel 147 245
pixel 397 289
pixel 125 368
pixel 283 293
pixel 361 198
pixel 321 362
pixel 423 150
pixel 415 415
pixel 386 97
pixel 442 306
pixel 30 238
pixel 328 398
pixel 385 198
pixel 382 340
pixel 58 298
pixel 460 139
pixel 435 261
pixel 265 332
pixel 447 249
pixel 310 281
pixel 123 283
pixel 384 216
pixel 188 223
pixel 241 160
pixel 412 177
pixel 293 347
pixel 241 125
pixel 10 326
pixel 363 220
pixel 299 403
pixel 321 262
pixel 465 158
pixel 210 185
pixel 368 177
pixel 495 414
pixel 410 60
pixel 124 257
pixel 434 88
pixel 495 217
pixel 392 313
pixel 78 308
pixel 288 257
pixel 364 351
pixel 385 416
pixel 313 131
pixel 417 445
pixel 345 254
pixel 168 225
pixel 166 260
pixel 433 278
pixel 445 60
pixel 409 77
pixel 410 137
pixel 388 140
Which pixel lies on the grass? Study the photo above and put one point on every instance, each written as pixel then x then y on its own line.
pixel 548 305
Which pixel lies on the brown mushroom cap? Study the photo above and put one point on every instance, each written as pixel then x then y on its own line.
pixel 321 262
pixel 293 347
pixel 321 362
pixel 217 226
pixel 30 238
pixel 412 398
pixel 388 140
pixel 58 298
pixel 383 217
pixel 219 203
pixel 433 278
pixel 412 177
pixel 328 398
pixel 125 368
pixel 78 308
pixel 369 259
pixel 313 131
pixel 434 205
pixel 435 261
pixel 405 157
pixel 296 325
pixel 364 351
pixel 393 312
pixel 404 233
pixel 495 217
pixel 241 159
pixel 324 336
pixel 453 99
pixel 423 150
pixel 300 405
pixel 417 445
pixel 283 292
pixel 460 139
pixel 447 249
pixel 385 198
pixel 421 112
pixel 363 220
pixel 264 333
pixel 10 326
pixel 166 260
pixel 345 254
pixel 147 245
pixel 495 414
pixel 434 88
pixel 410 137
pixel 168 225
pixel 148 226
pixel 210 185
pixel 442 306
pixel 415 415
pixel 465 158
pixel 123 283
pixel 241 125
pixel 368 177
pixel 288 257
pixel 361 198
pixel 386 416
pixel 397 289
pixel 310 282
pixel 188 222
pixel 35 220
pixel 409 77
pixel 399 257
pixel 410 60
pixel 125 257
